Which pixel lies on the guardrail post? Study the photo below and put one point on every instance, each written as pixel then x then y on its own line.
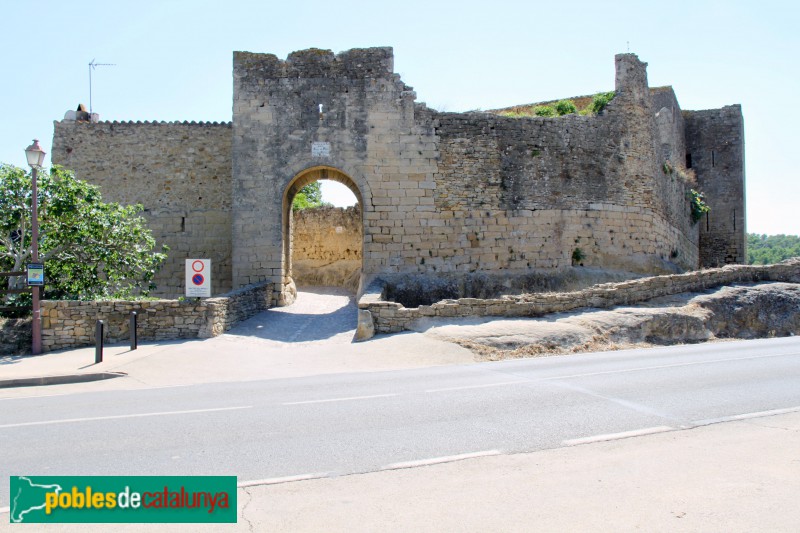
pixel 98 342
pixel 132 328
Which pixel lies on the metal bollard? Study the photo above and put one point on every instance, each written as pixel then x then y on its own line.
pixel 132 327
pixel 98 342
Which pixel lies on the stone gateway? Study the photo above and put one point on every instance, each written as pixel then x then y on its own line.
pixel 440 194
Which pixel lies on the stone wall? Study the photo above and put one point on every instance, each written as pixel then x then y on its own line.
pixel 715 146
pixel 327 234
pixel 389 317
pixel 180 173
pixel 69 324
pixel 454 193
pixel 327 247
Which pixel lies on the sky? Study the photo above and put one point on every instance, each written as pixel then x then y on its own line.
pixel 173 60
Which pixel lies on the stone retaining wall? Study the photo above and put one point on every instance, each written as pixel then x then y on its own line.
pixel 70 323
pixel 390 317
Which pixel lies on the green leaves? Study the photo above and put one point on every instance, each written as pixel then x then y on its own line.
pixel 769 249
pixel 697 202
pixel 308 197
pixel 91 249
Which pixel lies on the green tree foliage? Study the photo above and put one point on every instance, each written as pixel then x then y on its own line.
pixel 90 248
pixel 600 101
pixel 308 197
pixel 565 107
pixel 768 249
pixel 544 111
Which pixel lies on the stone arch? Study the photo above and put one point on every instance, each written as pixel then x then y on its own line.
pixel 300 180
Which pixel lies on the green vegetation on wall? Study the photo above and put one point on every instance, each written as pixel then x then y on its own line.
pixel 768 249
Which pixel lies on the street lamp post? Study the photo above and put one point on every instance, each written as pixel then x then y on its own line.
pixel 35 156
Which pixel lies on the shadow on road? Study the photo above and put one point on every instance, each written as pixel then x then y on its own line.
pixel 319 313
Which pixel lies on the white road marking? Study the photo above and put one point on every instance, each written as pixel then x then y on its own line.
pixel 467 387
pixel 617 436
pixel 115 417
pixel 277 480
pixel 745 416
pixel 346 399
pixel 439 460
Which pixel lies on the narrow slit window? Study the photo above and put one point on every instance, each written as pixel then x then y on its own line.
pixel 183 224
pixel 688 160
pixel 713 159
pixel 734 220
pixel 708 223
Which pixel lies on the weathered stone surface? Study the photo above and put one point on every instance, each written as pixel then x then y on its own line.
pixel 366 327
pixel 72 323
pixel 456 193
pixel 392 317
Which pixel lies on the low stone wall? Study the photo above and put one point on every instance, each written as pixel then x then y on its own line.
pixel 390 317
pixel 70 323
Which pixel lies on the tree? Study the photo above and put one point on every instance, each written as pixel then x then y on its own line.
pixel 308 197
pixel 769 249
pixel 90 248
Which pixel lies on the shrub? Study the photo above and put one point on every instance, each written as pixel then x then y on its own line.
pixel 600 101
pixel 698 204
pixel 565 107
pixel 544 111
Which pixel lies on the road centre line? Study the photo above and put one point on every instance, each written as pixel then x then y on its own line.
pixel 440 460
pixel 115 417
pixel 745 416
pixel 617 436
pixel 278 480
pixel 345 399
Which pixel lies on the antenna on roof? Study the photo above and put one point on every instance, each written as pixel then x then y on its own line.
pixel 93 66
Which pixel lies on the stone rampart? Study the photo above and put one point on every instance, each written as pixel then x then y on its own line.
pixel 179 172
pixel 69 323
pixel 389 317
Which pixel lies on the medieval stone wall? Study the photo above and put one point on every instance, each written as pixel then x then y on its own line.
pixel 180 173
pixel 439 192
pixel 715 146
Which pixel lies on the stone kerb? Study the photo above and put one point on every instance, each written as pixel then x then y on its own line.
pixel 70 323
pixel 392 317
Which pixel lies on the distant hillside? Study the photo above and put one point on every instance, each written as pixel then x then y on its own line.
pixel 768 249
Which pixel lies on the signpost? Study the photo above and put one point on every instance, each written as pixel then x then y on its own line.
pixel 35 274
pixel 198 278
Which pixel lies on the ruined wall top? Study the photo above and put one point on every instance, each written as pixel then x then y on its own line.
pixel 317 63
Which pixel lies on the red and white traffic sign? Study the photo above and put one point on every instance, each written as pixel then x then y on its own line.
pixel 198 278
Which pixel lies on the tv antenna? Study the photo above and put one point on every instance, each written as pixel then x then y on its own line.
pixel 93 66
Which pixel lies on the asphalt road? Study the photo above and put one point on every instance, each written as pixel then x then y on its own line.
pixel 348 423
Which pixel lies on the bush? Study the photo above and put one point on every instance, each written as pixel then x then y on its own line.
pixel 698 204
pixel 600 101
pixel 544 111
pixel 566 107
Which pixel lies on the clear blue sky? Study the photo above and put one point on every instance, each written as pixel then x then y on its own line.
pixel 173 62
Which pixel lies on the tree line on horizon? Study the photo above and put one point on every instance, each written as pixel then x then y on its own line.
pixel 769 249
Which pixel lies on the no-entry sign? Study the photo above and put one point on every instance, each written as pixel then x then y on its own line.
pixel 198 278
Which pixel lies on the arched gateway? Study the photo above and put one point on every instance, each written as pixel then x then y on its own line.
pixel 301 180
pixel 442 195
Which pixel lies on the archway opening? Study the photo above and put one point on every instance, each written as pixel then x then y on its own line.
pixel 323 245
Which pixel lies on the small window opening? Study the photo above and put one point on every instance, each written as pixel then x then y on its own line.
pixel 734 220
pixel 713 158
pixel 708 223
pixel 183 224
pixel 688 160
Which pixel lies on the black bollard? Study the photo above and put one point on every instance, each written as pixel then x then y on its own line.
pixel 133 331
pixel 98 342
